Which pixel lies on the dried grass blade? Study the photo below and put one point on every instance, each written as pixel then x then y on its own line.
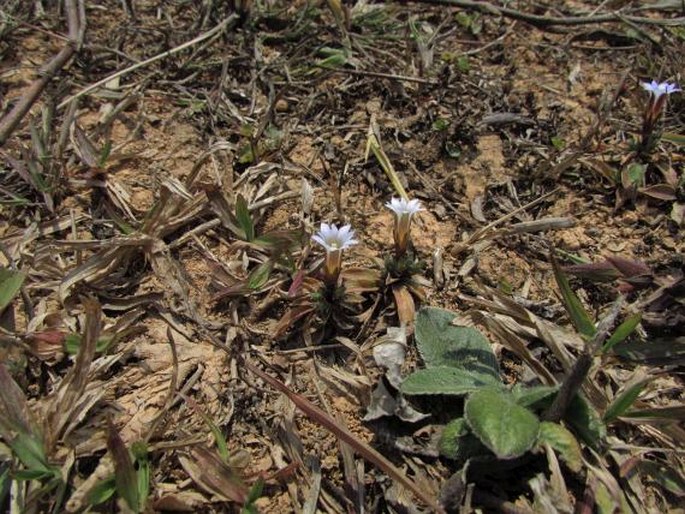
pixel 346 436
pixel 373 144
pixel 210 472
pixel 14 411
pixel 70 390
pixel 100 265
pixel 514 343
pixel 406 310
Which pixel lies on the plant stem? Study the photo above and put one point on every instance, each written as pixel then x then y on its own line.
pixel 569 388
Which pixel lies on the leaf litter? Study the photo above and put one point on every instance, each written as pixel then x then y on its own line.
pixel 156 205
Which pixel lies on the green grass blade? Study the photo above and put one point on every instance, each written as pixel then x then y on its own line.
pixel 625 399
pixel 579 317
pixel 103 491
pixel 10 284
pixel 672 137
pixel 622 332
pixel 244 218
pixel 140 454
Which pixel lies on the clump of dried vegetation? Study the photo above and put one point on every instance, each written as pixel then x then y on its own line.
pixel 189 322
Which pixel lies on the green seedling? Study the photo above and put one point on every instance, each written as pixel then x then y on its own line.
pixel 334 296
pixel 25 440
pixel 272 251
pixel 255 148
pixel 497 422
pixel 253 495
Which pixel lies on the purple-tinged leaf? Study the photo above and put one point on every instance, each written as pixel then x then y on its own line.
pixel 595 271
pixel 659 191
pixel 629 267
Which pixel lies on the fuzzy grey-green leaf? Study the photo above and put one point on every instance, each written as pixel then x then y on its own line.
pixel 534 396
pixel 443 344
pixel 502 425
pixel 446 380
pixel 458 443
pixel 564 442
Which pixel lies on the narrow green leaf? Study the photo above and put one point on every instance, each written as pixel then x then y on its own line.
pixel 605 502
pixel 142 465
pixel 664 475
pixel 242 214
pixel 219 438
pixel 672 137
pixel 260 276
pixel 5 481
pixel 255 491
pixel 585 422
pixel 32 474
pixel 625 399
pixel 564 442
pixel 622 332
pixel 441 343
pixel 10 284
pixel 29 450
pixel 124 472
pixel 676 413
pixel 104 154
pixel 72 343
pixel 102 491
pixel 446 380
pixel 502 425
pixel 579 316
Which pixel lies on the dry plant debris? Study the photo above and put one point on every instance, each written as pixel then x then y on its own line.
pixel 502 333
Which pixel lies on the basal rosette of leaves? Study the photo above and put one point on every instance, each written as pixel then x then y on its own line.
pixel 497 421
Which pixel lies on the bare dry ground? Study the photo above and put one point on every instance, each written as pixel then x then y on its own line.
pixel 159 347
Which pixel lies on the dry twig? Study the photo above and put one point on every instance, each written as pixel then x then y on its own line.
pixel 76 33
pixel 544 21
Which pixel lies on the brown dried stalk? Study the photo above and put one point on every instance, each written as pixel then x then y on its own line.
pixel 76 24
pixel 544 21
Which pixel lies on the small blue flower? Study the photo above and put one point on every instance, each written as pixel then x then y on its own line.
pixel 660 88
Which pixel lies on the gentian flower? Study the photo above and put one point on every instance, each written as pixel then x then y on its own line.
pixel 334 240
pixel 658 93
pixel 658 89
pixel 403 210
